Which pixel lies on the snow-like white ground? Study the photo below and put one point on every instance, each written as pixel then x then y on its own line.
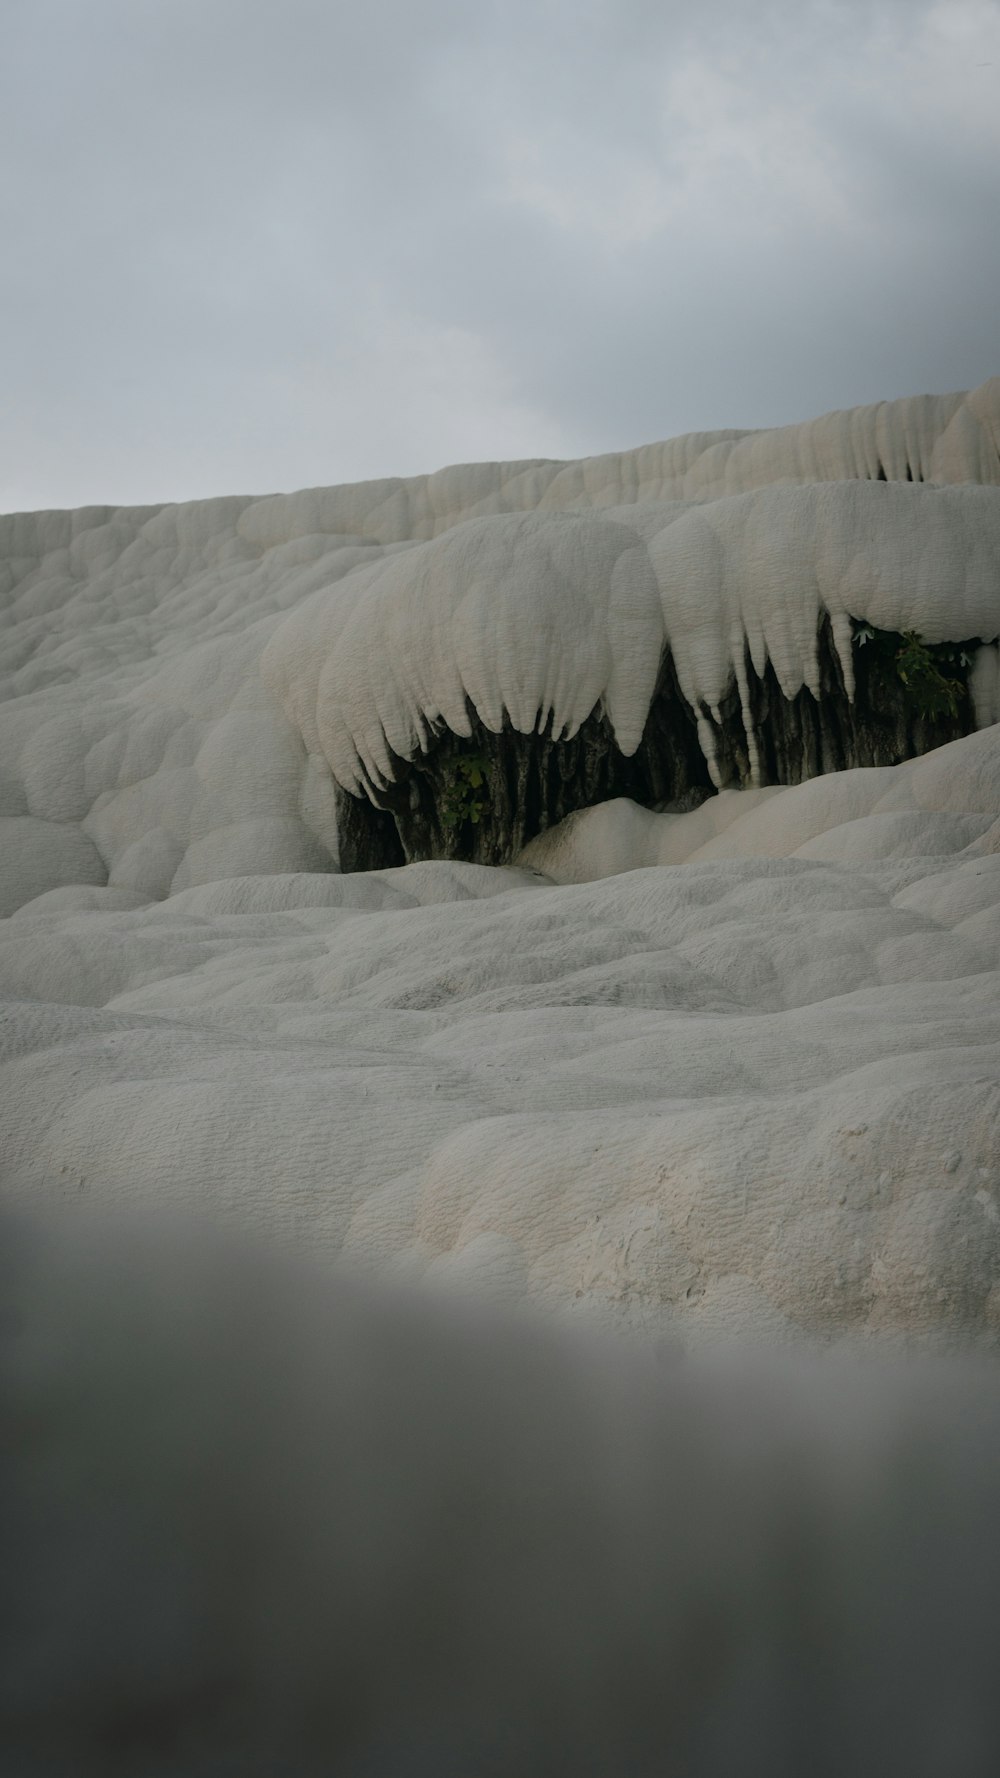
pixel 736 1070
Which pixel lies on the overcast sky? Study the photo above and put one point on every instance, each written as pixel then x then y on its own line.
pixel 262 244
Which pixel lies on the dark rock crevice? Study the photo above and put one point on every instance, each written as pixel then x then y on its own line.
pixel 531 782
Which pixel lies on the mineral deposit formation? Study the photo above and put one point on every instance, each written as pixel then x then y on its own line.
pixel 572 885
pixel 577 881
pixel 683 619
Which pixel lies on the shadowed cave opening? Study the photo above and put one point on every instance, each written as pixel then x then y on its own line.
pixel 481 798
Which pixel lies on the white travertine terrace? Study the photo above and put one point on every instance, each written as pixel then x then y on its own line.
pixel 542 617
pixel 731 1074
pixel 545 616
pixel 732 1070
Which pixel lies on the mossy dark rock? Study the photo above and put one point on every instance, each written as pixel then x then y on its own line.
pixel 532 781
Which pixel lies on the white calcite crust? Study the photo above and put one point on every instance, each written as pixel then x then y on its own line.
pixel 541 617
pixel 730 1070
pixel 755 1096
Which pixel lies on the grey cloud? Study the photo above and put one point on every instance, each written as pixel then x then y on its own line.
pixel 254 246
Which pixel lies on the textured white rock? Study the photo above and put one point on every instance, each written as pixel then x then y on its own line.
pixel 939 804
pixel 696 1099
pixel 544 617
pixel 40 855
pixel 722 1091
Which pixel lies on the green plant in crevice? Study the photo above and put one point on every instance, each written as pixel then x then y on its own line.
pixel 921 667
pixel 466 797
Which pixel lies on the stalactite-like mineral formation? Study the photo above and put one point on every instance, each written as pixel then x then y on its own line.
pixel 477 688
pixel 484 796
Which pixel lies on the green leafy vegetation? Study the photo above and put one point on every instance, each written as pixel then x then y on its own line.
pixel 927 669
pixel 466 797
